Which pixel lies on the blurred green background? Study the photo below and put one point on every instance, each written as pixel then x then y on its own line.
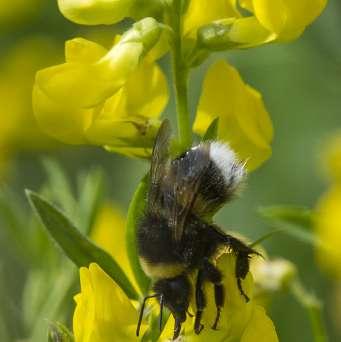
pixel 301 85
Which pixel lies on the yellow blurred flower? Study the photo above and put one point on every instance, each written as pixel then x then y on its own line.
pixel 328 213
pixel 16 12
pixel 18 130
pixel 110 223
pixel 221 25
pixel 109 98
pixel 328 228
pixel 243 120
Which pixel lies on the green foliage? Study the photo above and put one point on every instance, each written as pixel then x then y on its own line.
pixel 212 130
pixel 59 333
pixel 77 246
pixel 294 221
pixel 136 207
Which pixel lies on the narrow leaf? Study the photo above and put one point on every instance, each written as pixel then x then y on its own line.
pixel 59 333
pixel 293 221
pixel 77 246
pixel 134 212
pixel 300 216
pixel 212 130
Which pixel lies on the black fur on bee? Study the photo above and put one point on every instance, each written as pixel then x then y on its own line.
pixel 175 235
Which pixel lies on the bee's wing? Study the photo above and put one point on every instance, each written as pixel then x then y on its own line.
pixel 159 163
pixel 186 174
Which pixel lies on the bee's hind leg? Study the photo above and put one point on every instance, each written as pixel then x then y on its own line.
pixel 242 269
pixel 208 272
pixel 200 300
pixel 215 277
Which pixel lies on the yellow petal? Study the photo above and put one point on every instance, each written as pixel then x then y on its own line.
pixel 328 229
pixel 103 312
pixel 243 120
pixel 287 18
pixel 60 119
pixel 332 158
pixel 146 91
pixel 248 32
pixel 200 13
pixel 80 50
pixel 95 12
pixel 132 132
pixel 86 85
pixel 259 328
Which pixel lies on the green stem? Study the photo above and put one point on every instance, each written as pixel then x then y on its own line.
pixel 314 309
pixel 180 74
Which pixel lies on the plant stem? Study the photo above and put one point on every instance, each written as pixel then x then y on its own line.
pixel 180 74
pixel 314 309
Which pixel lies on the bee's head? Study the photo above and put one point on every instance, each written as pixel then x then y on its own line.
pixel 176 295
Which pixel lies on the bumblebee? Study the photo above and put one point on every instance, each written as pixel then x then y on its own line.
pixel 175 235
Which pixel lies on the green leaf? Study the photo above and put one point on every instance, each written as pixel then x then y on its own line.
pixel 212 131
pixel 54 302
pixel 59 333
pixel 76 246
pixel 91 189
pixel 300 216
pixel 294 221
pixel 135 210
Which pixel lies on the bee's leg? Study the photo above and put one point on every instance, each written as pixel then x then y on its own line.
pixel 215 277
pixel 243 253
pixel 242 268
pixel 142 310
pixel 200 301
pixel 177 328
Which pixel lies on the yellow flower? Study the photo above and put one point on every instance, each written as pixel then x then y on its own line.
pixel 220 25
pixel 18 12
pixel 103 312
pixel 18 130
pixel 328 213
pixel 95 12
pixel 332 158
pixel 328 229
pixel 102 97
pixel 243 120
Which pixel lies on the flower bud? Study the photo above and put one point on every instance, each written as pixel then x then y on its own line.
pixel 273 275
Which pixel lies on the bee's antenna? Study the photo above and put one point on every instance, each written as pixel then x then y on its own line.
pixel 142 310
pixel 161 311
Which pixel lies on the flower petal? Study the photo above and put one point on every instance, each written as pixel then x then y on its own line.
pixel 244 122
pixel 100 306
pixel 328 228
pixel 287 18
pixel 259 328
pixel 200 13
pixel 80 50
pixel 95 12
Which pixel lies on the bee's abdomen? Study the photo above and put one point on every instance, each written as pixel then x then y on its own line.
pixel 156 248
